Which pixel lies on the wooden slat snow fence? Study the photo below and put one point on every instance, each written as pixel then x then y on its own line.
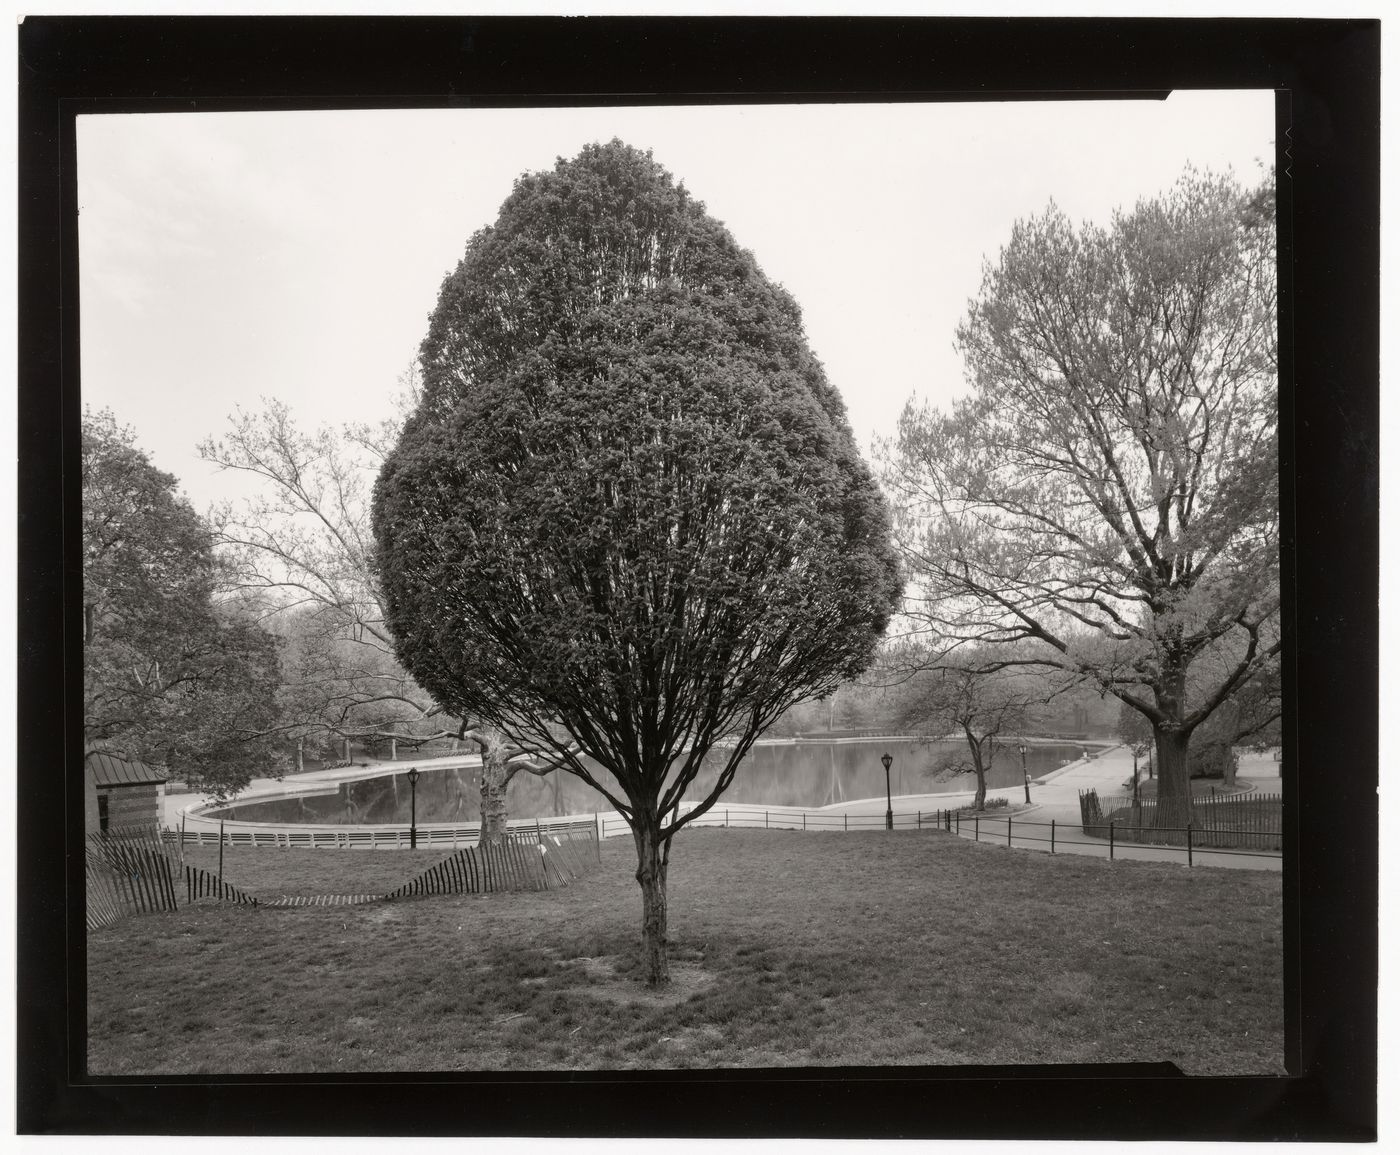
pixel 527 860
pixel 129 871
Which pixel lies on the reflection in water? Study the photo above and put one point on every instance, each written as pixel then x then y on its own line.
pixel 802 773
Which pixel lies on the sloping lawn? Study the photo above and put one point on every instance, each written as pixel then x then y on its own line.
pixel 788 949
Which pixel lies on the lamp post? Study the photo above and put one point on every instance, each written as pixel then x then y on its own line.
pixel 413 808
pixel 889 806
pixel 1025 777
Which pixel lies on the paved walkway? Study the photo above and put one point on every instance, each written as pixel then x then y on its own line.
pixel 312 782
pixel 1055 797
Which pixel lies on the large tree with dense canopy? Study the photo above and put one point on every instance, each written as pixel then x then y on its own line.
pixel 629 518
pixel 175 671
pixel 1105 503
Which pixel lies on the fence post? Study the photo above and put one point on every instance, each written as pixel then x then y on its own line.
pixel 1188 845
pixel 1110 841
pixel 765 820
pixel 976 828
pixel 1052 836
pixel 221 848
pixel 1008 832
pixel 918 820
pixel 804 820
pixel 845 822
pixel 957 821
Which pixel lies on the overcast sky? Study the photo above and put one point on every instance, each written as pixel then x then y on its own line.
pixel 234 256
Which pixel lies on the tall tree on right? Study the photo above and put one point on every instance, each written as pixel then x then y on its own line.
pixel 1105 502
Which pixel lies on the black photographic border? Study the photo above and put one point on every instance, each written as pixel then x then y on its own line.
pixel 1326 73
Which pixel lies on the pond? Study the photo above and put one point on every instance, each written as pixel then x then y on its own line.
pixel 806 773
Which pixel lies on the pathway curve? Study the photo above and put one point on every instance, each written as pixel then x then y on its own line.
pixel 1055 797
pixel 312 782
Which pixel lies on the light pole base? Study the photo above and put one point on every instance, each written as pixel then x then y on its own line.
pixel 889 819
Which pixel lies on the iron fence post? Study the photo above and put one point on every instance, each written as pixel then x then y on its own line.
pixel 976 828
pixel 1189 856
pixel 1110 841
pixel 1052 836
pixel 1008 833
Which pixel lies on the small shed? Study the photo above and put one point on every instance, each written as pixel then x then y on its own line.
pixel 121 792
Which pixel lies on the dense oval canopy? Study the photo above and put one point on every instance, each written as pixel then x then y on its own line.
pixel 630 505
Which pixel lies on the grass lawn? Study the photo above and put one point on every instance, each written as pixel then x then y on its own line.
pixel 788 949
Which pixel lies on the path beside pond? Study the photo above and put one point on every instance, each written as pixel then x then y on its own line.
pixel 1055 796
pixel 310 781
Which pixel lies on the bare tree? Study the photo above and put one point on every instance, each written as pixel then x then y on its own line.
pixel 985 707
pixel 303 547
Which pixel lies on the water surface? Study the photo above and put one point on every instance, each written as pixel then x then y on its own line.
pixel 807 773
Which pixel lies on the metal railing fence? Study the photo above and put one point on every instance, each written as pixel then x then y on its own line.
pixel 1054 836
pixel 395 837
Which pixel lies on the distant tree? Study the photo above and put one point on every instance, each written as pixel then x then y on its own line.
pixel 984 709
pixel 1251 718
pixel 303 545
pixel 629 517
pixel 173 674
pixel 1106 502
pixel 1134 730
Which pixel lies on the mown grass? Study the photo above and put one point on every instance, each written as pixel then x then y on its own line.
pixel 788 949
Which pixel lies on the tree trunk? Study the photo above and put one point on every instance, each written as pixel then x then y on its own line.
pixel 979 801
pixel 1173 776
pixel 651 875
pixel 1232 766
pixel 494 780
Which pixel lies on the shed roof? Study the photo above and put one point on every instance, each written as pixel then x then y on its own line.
pixel 110 770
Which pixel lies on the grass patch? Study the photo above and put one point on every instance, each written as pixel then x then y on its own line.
pixel 788 949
